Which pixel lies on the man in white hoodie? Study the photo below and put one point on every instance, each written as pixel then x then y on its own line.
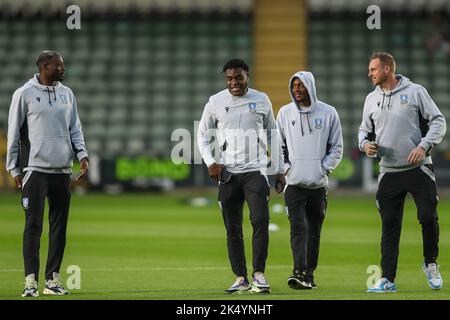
pixel 401 124
pixel 242 122
pixel 44 135
pixel 312 145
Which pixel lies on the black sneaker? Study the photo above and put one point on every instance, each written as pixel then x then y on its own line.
pixel 298 281
pixel 310 279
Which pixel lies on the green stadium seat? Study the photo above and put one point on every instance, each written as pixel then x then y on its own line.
pixel 123 74
pixel 114 146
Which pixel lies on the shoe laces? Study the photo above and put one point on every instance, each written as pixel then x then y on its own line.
pixel 433 270
pixel 260 278
pixel 30 283
pixel 382 281
pixel 238 282
pixel 56 282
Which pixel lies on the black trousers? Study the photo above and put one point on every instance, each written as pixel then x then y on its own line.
pixel 392 190
pixel 306 210
pixel 37 187
pixel 253 188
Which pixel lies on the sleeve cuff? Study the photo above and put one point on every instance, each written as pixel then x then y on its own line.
pixel 287 166
pixel 209 162
pixel 361 146
pixel 425 145
pixel 81 155
pixel 15 172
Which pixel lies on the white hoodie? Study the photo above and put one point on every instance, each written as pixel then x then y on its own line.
pixel 44 131
pixel 245 130
pixel 311 140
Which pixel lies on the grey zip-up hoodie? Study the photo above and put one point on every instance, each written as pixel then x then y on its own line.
pixel 311 140
pixel 44 131
pixel 404 118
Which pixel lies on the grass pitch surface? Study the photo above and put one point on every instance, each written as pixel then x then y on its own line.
pixel 157 246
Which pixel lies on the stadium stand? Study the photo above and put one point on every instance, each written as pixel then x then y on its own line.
pixel 339 48
pixel 135 82
pixel 141 69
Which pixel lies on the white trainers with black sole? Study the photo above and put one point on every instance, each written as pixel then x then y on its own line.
pixel 54 286
pixel 31 287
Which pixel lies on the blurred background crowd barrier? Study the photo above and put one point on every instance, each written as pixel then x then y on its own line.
pixel 141 69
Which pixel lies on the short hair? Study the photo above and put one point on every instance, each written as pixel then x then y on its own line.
pixel 235 64
pixel 45 56
pixel 385 59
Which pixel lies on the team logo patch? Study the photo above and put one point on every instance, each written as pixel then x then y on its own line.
pixel 25 203
pixel 293 122
pixel 403 98
pixel 252 107
pixel 38 99
pixel 318 123
pixel 227 108
pixel 63 98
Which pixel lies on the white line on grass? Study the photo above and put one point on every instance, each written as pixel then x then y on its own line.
pixel 197 268
pixel 151 269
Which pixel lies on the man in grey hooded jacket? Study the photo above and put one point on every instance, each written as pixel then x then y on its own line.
pixel 312 145
pixel 401 124
pixel 44 135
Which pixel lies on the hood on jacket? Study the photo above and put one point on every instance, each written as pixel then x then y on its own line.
pixel 404 82
pixel 49 89
pixel 308 81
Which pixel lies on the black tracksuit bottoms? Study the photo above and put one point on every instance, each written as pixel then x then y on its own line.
pixel 253 188
pixel 306 210
pixel 37 187
pixel 392 190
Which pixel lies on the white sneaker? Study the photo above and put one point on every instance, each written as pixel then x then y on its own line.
pixel 31 286
pixel 54 286
pixel 240 285
pixel 433 276
pixel 260 284
pixel 383 285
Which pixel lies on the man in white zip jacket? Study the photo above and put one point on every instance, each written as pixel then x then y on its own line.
pixel 44 135
pixel 241 119
pixel 312 145
pixel 401 124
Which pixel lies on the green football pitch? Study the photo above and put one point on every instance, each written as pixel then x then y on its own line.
pixel 158 246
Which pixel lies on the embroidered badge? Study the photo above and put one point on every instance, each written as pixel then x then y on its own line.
pixel 318 123
pixel 252 107
pixel 403 98
pixel 63 98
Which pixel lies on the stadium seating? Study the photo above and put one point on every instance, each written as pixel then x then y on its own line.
pixel 135 81
pixel 339 49
pixel 138 80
